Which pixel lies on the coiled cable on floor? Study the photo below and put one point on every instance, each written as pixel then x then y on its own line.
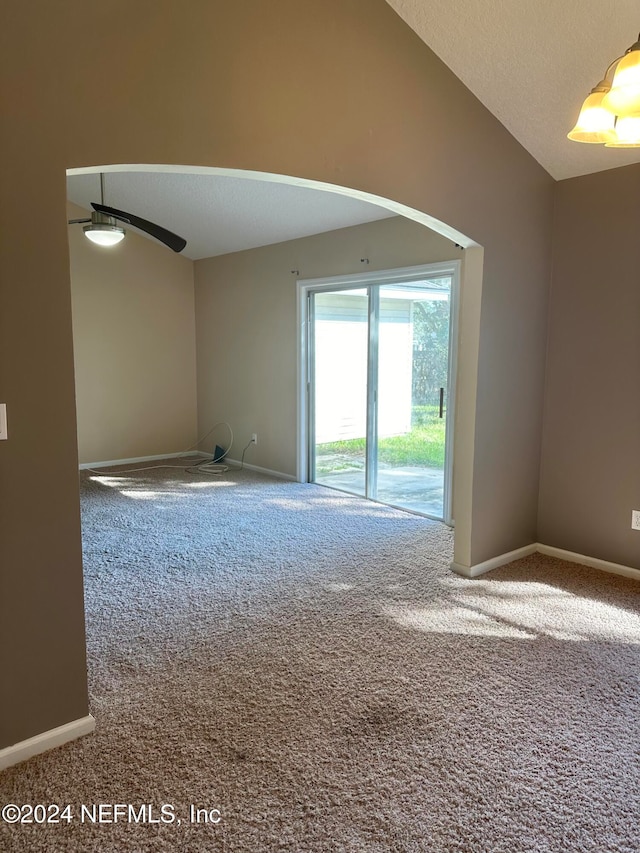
pixel 213 466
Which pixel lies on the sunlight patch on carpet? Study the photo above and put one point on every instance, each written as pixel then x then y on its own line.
pixel 454 620
pixel 553 612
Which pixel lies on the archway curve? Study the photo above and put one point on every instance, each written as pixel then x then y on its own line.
pixel 468 321
pixel 393 206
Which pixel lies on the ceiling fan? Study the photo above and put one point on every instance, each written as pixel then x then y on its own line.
pixel 105 231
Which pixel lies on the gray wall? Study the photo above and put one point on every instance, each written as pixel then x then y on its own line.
pixel 134 347
pixel 246 325
pixel 340 91
pixel 591 461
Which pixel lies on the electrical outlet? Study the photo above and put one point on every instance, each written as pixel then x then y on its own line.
pixel 254 438
pixel 635 519
pixel 3 422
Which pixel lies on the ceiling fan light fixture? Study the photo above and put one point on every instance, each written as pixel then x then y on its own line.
pixel 104 235
pixel 103 230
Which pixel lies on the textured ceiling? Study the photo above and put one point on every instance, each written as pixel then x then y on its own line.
pixel 532 64
pixel 218 214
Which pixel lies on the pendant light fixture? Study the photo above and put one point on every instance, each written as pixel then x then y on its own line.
pixel 610 114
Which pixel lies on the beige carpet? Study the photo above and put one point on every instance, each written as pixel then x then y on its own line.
pixel 305 663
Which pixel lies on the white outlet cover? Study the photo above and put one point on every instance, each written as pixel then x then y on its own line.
pixel 3 422
pixel 635 519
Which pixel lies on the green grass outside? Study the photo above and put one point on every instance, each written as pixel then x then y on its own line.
pixel 423 446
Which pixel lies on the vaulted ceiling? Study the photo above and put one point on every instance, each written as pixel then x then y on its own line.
pixel 530 64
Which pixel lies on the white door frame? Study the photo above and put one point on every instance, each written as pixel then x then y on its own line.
pixel 395 276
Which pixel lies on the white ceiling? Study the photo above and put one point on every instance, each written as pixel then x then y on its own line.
pixel 218 214
pixel 532 64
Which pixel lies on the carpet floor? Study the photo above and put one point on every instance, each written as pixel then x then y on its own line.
pixel 302 667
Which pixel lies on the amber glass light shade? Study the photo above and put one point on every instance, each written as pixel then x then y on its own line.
pixel 595 123
pixel 627 133
pixel 623 99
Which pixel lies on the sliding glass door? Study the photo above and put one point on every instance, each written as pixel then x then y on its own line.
pixel 340 341
pixel 379 367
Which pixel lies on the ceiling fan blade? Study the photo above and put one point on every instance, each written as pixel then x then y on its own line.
pixel 167 237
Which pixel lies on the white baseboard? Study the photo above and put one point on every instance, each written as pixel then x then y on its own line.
pixel 539 548
pixel 278 474
pixel 494 563
pixel 45 741
pixel 593 562
pixel 113 463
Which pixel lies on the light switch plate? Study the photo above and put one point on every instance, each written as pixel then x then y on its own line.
pixel 3 421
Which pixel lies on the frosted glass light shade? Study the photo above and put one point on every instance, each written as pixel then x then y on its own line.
pixel 104 235
pixel 627 133
pixel 624 97
pixel 595 123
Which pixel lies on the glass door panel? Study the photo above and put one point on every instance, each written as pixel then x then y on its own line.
pixel 378 379
pixel 412 393
pixel 339 362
